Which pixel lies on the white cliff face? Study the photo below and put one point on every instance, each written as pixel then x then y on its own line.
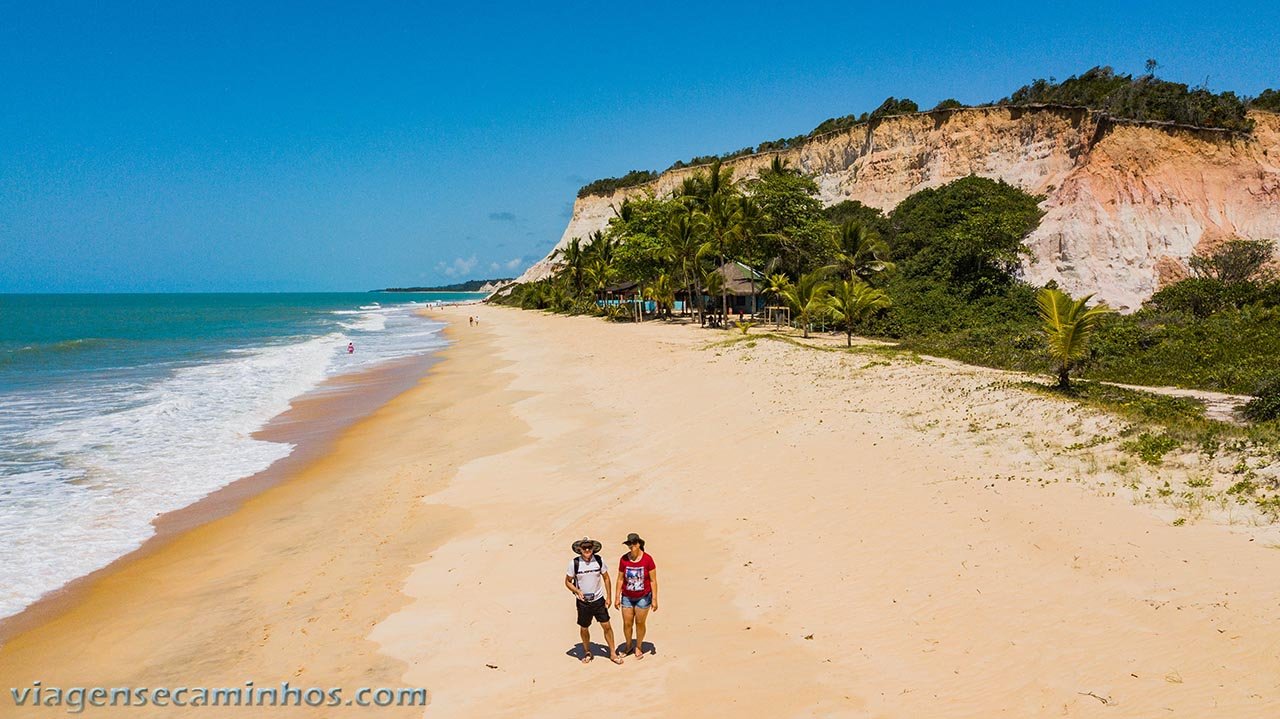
pixel 1126 204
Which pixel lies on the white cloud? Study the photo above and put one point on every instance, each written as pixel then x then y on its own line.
pixel 458 267
pixel 510 265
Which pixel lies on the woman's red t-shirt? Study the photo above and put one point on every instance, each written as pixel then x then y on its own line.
pixel 635 575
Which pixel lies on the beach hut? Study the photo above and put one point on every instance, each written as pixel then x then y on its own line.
pixel 630 294
pixel 743 286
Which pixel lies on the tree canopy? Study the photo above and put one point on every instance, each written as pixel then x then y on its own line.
pixel 968 234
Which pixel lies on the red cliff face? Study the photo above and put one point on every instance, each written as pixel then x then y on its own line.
pixel 1126 204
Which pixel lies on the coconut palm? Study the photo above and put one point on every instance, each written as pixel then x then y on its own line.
pixel 662 290
pixel 598 274
pixel 776 284
pixel 572 260
pixel 862 252
pixel 681 235
pixel 1068 324
pixel 712 283
pixel 852 301
pixel 807 297
pixel 779 166
pixel 725 224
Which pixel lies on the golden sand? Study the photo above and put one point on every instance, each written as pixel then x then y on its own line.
pixel 833 537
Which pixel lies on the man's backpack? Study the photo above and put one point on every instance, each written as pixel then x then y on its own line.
pixel 577 566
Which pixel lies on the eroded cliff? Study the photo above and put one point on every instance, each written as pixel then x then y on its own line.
pixel 1126 204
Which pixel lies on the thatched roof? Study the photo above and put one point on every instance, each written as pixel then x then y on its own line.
pixel 625 287
pixel 741 280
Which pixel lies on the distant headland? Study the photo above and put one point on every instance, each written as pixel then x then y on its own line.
pixel 468 286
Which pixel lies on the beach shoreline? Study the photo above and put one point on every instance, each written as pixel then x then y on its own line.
pixel 836 534
pixel 312 422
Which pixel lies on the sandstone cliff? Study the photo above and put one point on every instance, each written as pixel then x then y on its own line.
pixel 1126 203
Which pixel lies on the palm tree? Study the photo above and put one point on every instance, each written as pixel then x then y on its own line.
pixel 776 285
pixel 712 283
pixel 681 235
pixel 862 252
pixel 572 260
pixel 726 223
pixel 1068 325
pixel 851 301
pixel 662 290
pixel 779 166
pixel 599 274
pixel 807 297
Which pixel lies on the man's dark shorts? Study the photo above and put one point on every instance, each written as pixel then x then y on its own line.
pixel 587 610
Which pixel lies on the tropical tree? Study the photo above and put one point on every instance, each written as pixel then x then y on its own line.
pixel 724 223
pixel 681 235
pixel 1067 326
pixel 807 297
pixel 852 301
pixel 599 274
pixel 572 260
pixel 712 285
pixel 662 290
pixel 702 186
pixel 779 166
pixel 862 253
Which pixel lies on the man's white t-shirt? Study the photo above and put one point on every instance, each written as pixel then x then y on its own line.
pixel 590 576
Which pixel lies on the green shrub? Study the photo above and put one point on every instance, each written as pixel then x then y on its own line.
pixel 1269 100
pixel 1265 406
pixel 1144 98
pixel 608 185
pixel 1151 448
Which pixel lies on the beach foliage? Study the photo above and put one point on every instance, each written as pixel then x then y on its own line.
pixel 1236 262
pixel 1265 406
pixel 967 234
pixel 1067 325
pixel 808 297
pixel 1151 447
pixel 850 302
pixel 862 253
pixel 854 211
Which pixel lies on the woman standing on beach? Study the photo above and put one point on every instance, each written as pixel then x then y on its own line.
pixel 637 593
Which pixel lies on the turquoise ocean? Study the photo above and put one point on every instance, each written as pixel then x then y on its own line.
pixel 115 409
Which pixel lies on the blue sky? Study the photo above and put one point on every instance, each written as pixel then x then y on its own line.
pixel 236 147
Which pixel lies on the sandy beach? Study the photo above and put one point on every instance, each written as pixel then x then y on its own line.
pixel 837 534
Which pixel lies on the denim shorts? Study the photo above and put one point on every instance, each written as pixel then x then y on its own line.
pixel 639 602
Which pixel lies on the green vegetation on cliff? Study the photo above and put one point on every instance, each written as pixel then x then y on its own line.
pixel 1144 98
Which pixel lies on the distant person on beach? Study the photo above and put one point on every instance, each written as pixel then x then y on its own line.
pixel 588 579
pixel 351 348
pixel 471 321
pixel 637 593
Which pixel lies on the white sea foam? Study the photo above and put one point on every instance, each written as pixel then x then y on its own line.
pixel 100 476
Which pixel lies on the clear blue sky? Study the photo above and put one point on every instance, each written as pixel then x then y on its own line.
pixel 230 146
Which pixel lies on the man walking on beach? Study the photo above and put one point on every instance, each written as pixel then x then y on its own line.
pixel 588 579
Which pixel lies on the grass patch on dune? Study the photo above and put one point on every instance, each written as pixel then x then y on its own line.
pixel 1161 424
